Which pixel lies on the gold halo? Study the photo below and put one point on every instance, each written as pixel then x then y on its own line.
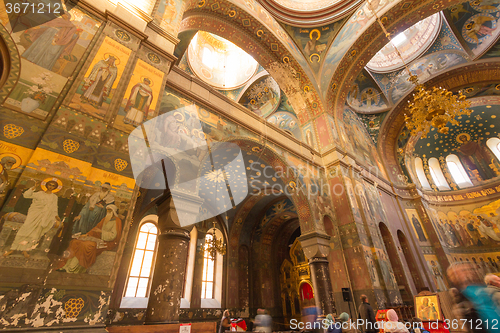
pixel 145 77
pixel 17 158
pixel 107 55
pixel 459 135
pixel 311 33
pixel 57 180
pixel 181 115
pixel 314 55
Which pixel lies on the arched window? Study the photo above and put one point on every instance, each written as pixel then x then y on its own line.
pixel 207 283
pixel 457 171
pixel 437 174
pixel 188 283
pixel 207 57
pixel 494 145
pixel 139 278
pixel 422 178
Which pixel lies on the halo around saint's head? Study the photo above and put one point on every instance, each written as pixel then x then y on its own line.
pixel 14 156
pixel 46 180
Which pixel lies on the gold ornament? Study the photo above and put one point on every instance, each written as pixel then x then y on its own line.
pixel 73 307
pixel 70 146
pixel 120 164
pixel 11 131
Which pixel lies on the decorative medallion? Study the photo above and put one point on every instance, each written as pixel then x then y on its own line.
pixel 70 146
pixel 154 58
pixel 11 131
pixel 73 307
pixel 122 35
pixel 120 164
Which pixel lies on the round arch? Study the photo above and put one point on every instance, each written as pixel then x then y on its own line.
pixel 11 63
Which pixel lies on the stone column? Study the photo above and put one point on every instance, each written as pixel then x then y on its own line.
pixel 170 267
pixel 316 246
pixel 323 293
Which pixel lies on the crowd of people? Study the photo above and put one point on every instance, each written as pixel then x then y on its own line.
pixel 475 309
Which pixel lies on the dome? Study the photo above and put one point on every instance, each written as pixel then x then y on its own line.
pixel 411 43
pixel 219 62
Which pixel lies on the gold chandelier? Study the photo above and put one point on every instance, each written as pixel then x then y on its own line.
pixel 215 245
pixel 434 107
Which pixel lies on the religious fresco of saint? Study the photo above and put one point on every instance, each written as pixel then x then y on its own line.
pixel 49 54
pixel 95 92
pixel 64 214
pixel 168 15
pixel 475 23
pixel 262 97
pixel 437 272
pixel 416 225
pixel 309 135
pixel 13 160
pixel 365 95
pixel 141 97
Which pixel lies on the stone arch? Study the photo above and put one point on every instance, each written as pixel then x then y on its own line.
pixel 11 63
pixel 397 266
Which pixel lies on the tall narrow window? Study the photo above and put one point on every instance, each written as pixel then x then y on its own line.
pixel 494 145
pixel 139 278
pixel 419 168
pixel 437 174
pixel 207 286
pixel 457 171
pixel 207 57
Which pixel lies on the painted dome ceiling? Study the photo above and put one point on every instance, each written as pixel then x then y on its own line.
pixel 411 43
pixel 307 5
pixel 219 62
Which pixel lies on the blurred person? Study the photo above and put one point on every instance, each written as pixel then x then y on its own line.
pixel 333 326
pixel 346 323
pixel 367 315
pixel 417 327
pixel 464 309
pixel 309 313
pixel 393 325
pixel 263 321
pixel 466 279
pixel 493 288
pixel 225 323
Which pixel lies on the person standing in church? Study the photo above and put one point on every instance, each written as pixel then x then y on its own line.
pixel 366 314
pixel 94 210
pixel 225 323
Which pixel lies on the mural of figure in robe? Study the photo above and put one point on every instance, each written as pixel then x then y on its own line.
pixel 486 227
pixel 438 275
pixel 84 249
pixel 475 156
pixel 51 41
pixel 94 210
pixel 140 99
pixel 42 216
pixel 99 82
pixel 418 229
pixel 6 163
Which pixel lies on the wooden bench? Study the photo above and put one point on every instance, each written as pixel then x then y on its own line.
pixel 203 327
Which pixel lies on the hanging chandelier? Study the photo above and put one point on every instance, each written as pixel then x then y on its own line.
pixel 215 245
pixel 430 107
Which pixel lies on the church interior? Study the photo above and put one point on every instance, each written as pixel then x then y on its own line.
pixel 162 161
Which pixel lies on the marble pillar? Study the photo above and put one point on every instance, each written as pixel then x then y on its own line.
pixel 323 293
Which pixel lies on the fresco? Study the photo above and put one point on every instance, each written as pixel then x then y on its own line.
pixel 352 199
pixel 13 159
pixel 287 122
pixel 262 97
pixel 417 225
pixel 49 54
pixel 168 15
pixel 493 52
pixel 358 142
pixel 437 272
pixel 365 95
pixel 323 128
pixel 96 91
pixel 353 28
pixel 306 5
pixel 475 24
pixel 141 97
pixel 467 141
pixel 314 41
pixel 372 123
pixel 58 200
pixel 333 129
pixel 309 135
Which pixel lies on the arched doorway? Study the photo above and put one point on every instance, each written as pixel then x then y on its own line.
pixel 410 260
pixel 397 267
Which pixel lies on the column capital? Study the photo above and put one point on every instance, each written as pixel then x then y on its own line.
pixel 315 244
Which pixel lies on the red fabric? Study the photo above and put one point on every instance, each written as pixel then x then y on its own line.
pixel 306 291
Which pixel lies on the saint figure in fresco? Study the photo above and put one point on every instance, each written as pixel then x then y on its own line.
pixel 477 28
pixel 475 156
pixel 41 217
pixel 438 275
pixel 51 41
pixel 418 228
pixel 84 249
pixel 464 236
pixel 98 84
pixel 486 227
pixel 424 310
pixel 94 210
pixel 474 234
pixel 7 162
pixel 137 108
